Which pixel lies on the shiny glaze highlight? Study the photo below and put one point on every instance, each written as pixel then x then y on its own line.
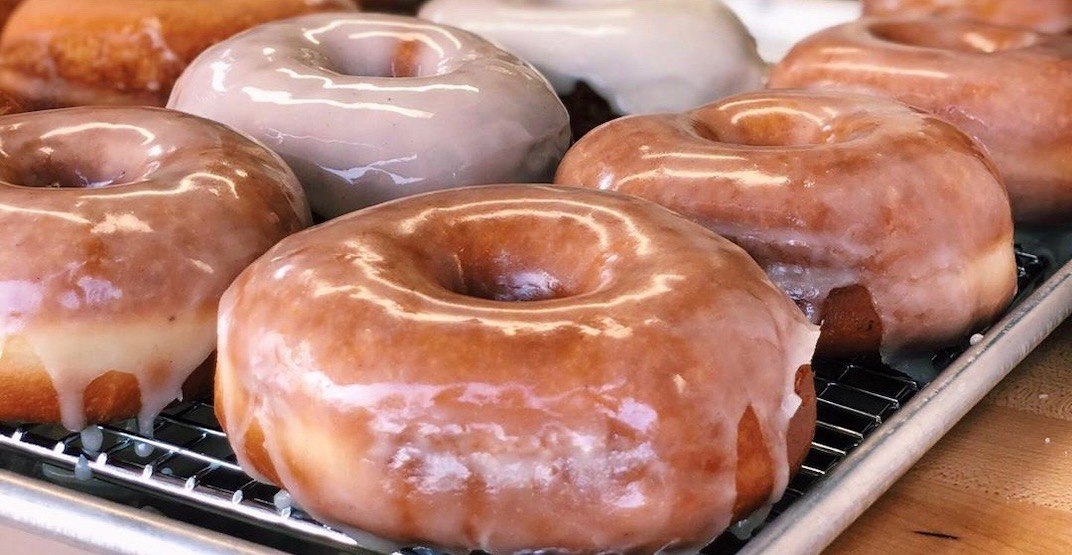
pixel 58 53
pixel 1003 86
pixel 368 108
pixel 1046 16
pixel 829 191
pixel 643 56
pixel 115 255
pixel 514 368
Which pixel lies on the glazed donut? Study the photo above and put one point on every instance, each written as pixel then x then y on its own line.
pixel 952 69
pixel 1047 16
pixel 889 227
pixel 57 53
pixel 6 7
pixel 778 24
pixel 613 57
pixel 115 256
pixel 517 369
pixel 369 108
pixel 9 105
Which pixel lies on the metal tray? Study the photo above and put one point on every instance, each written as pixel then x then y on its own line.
pixel 181 491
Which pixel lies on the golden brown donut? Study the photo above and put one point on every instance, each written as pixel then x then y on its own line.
pixel 114 257
pixel 1003 86
pixel 56 53
pixel 888 226
pixel 1047 16
pixel 6 8
pixel 516 368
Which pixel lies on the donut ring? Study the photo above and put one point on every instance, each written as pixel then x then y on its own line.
pixel 948 68
pixel 889 227
pixel 58 53
pixel 368 108
pixel 1046 16
pixel 603 414
pixel 116 256
pixel 645 56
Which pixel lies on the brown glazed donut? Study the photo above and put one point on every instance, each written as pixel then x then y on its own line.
pixel 57 53
pixel 1004 86
pixel 6 8
pixel 115 256
pixel 9 105
pixel 1047 16
pixel 888 226
pixel 516 369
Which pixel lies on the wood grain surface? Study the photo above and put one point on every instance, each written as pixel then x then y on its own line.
pixel 999 482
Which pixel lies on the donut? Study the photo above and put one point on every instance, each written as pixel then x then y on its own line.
pixel 517 369
pixel 779 24
pixel 368 107
pixel 59 53
pixel 1046 16
pixel 889 227
pixel 115 256
pixel 608 58
pixel 998 84
pixel 9 105
pixel 6 8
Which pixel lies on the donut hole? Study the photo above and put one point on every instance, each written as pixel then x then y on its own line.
pixel 951 35
pixel 778 121
pixel 90 156
pixel 518 259
pixel 383 56
pixel 52 174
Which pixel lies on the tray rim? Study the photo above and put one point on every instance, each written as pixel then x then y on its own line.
pixel 96 524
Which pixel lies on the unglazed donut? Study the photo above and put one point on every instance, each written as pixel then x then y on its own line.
pixel 115 256
pixel 517 368
pixel 57 53
pixel 1047 16
pixel 888 226
pixel 1001 85
pixel 639 56
pixel 368 108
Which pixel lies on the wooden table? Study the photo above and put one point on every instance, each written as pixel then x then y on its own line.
pixel 999 482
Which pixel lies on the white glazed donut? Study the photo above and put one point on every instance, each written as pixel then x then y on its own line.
pixel 642 56
pixel 368 107
pixel 779 24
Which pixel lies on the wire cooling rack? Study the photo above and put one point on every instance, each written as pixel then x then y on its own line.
pixel 188 471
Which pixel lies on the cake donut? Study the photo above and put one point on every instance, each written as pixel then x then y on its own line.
pixel 1047 16
pixel 613 57
pixel 889 227
pixel 114 257
pixel 370 107
pixel 998 84
pixel 57 53
pixel 517 369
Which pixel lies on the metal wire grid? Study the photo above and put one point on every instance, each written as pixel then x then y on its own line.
pixel 189 460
